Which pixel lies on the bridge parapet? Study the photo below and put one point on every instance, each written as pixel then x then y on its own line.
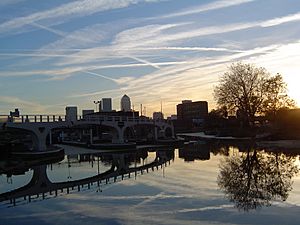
pixel 32 118
pixel 62 118
pixel 4 118
pixel 97 118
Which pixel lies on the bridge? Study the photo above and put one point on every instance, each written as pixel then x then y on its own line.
pixel 41 126
pixel 40 187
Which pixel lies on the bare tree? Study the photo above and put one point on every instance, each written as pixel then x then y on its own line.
pixel 248 90
pixel 254 179
pixel 276 96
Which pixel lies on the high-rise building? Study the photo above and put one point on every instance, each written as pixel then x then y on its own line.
pixel 106 105
pixel 71 113
pixel 189 110
pixel 125 104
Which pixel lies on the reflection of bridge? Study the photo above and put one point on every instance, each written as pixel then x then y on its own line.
pixel 41 185
pixel 41 126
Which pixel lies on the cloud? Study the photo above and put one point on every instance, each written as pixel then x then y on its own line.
pixel 195 75
pixel 146 39
pixel 141 37
pixel 54 31
pixel 65 12
pixel 208 7
pixel 15 102
pixel 281 20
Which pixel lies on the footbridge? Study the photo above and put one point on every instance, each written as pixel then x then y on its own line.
pixel 41 126
pixel 40 187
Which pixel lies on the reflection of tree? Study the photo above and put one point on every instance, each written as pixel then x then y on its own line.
pixel 253 179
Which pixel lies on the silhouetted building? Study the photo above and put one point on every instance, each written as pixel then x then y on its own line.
pixel 106 105
pixel 125 104
pixel 87 111
pixel 172 117
pixel 71 113
pixel 158 116
pixel 190 116
pixel 134 114
pixel 189 110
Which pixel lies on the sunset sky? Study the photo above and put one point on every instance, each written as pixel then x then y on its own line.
pixel 61 52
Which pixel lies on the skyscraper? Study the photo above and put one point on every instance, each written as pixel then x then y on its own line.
pixel 125 104
pixel 71 113
pixel 106 105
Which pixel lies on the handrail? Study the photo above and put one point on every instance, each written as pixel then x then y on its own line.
pixel 61 118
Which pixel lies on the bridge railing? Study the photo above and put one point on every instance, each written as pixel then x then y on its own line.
pixel 4 118
pixel 60 118
pixel 31 118
pixel 96 118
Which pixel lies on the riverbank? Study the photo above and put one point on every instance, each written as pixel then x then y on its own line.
pixel 286 144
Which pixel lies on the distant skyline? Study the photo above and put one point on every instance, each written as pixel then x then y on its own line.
pixel 61 52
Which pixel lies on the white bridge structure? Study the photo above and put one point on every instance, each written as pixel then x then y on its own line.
pixel 41 186
pixel 41 126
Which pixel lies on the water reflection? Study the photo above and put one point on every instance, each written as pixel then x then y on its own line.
pixel 253 178
pixel 195 151
pixel 122 166
pixel 249 177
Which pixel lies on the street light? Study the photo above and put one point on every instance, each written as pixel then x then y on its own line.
pixel 97 102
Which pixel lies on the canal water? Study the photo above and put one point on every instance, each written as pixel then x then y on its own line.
pixel 197 184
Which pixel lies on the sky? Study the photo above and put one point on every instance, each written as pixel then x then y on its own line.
pixel 60 52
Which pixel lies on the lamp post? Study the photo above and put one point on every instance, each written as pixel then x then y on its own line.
pixel 97 102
